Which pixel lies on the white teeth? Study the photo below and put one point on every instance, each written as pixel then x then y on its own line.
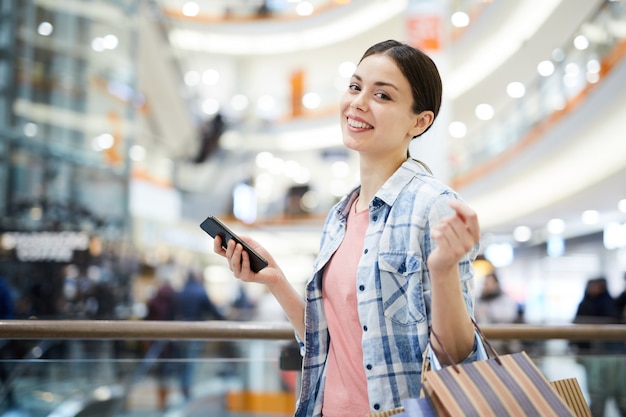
pixel 358 125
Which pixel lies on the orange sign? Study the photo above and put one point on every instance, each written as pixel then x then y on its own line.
pixel 424 32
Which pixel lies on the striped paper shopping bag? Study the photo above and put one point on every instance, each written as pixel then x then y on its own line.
pixel 505 385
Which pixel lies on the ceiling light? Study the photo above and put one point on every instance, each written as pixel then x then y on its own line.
pixel 571 76
pixel 522 233
pixel 137 153
pixel 103 141
pixel 593 65
pixel 264 159
pixel 210 106
pixel 304 9
pixel 556 226
pixel 97 44
pixel 210 77
pixel 515 89
pixel 30 130
pixel 545 68
pixel 614 235
pixel 191 8
pixel 45 29
pixel 311 100
pixel 621 205
pixel 592 77
pixel 572 68
pixel 581 42
pixel 192 78
pixel 460 19
pixel 590 216
pixel 558 55
pixel 110 42
pixel 484 111
pixel 457 130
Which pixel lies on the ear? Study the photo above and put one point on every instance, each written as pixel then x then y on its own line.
pixel 422 121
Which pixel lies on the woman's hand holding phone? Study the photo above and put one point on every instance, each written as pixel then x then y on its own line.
pixel 215 228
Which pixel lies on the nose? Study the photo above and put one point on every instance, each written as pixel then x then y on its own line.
pixel 359 102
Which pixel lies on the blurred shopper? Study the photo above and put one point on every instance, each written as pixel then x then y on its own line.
pixel 162 306
pixel 621 301
pixel 395 255
pixel 7 302
pixel 603 361
pixel 242 308
pixel 494 306
pixel 194 305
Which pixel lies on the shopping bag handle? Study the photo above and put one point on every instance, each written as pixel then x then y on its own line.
pixel 483 339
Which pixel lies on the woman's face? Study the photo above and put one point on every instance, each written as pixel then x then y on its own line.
pixel 376 115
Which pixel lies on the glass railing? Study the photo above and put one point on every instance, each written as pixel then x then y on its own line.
pixel 63 368
pixel 146 378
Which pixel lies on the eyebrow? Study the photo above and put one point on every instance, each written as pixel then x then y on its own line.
pixel 377 83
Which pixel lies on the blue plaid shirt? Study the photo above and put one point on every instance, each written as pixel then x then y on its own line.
pixel 393 289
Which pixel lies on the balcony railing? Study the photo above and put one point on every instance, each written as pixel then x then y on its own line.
pixel 72 368
pixel 237 330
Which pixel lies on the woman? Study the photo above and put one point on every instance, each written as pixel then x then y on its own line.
pixel 395 255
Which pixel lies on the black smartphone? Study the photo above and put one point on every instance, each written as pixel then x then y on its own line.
pixel 215 227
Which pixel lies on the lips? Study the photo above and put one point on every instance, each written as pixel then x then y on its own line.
pixel 358 124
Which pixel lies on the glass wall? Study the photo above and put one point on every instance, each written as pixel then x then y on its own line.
pixel 66 113
pixel 68 105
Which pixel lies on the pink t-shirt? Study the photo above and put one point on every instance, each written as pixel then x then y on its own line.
pixel 345 393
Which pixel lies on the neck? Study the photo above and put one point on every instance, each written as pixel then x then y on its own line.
pixel 374 173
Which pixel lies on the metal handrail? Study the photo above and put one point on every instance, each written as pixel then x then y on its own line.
pixel 233 330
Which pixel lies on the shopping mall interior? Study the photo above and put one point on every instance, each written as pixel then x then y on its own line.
pixel 125 124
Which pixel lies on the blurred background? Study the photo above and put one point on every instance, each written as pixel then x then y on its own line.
pixel 124 124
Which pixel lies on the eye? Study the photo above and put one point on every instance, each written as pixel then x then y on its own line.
pixel 354 87
pixel 383 96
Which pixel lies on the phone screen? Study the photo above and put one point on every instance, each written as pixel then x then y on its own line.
pixel 215 227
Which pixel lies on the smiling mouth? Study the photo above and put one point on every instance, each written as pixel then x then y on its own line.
pixel 358 125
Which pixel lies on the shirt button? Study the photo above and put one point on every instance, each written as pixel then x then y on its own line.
pixel 369 367
pixel 365 251
pixel 375 218
pixel 364 328
pixel 361 287
pixel 376 406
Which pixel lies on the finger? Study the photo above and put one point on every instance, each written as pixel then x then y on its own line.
pixel 245 260
pixel 217 246
pixel 230 249
pixel 235 259
pixel 468 217
pixel 452 237
pixel 461 209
